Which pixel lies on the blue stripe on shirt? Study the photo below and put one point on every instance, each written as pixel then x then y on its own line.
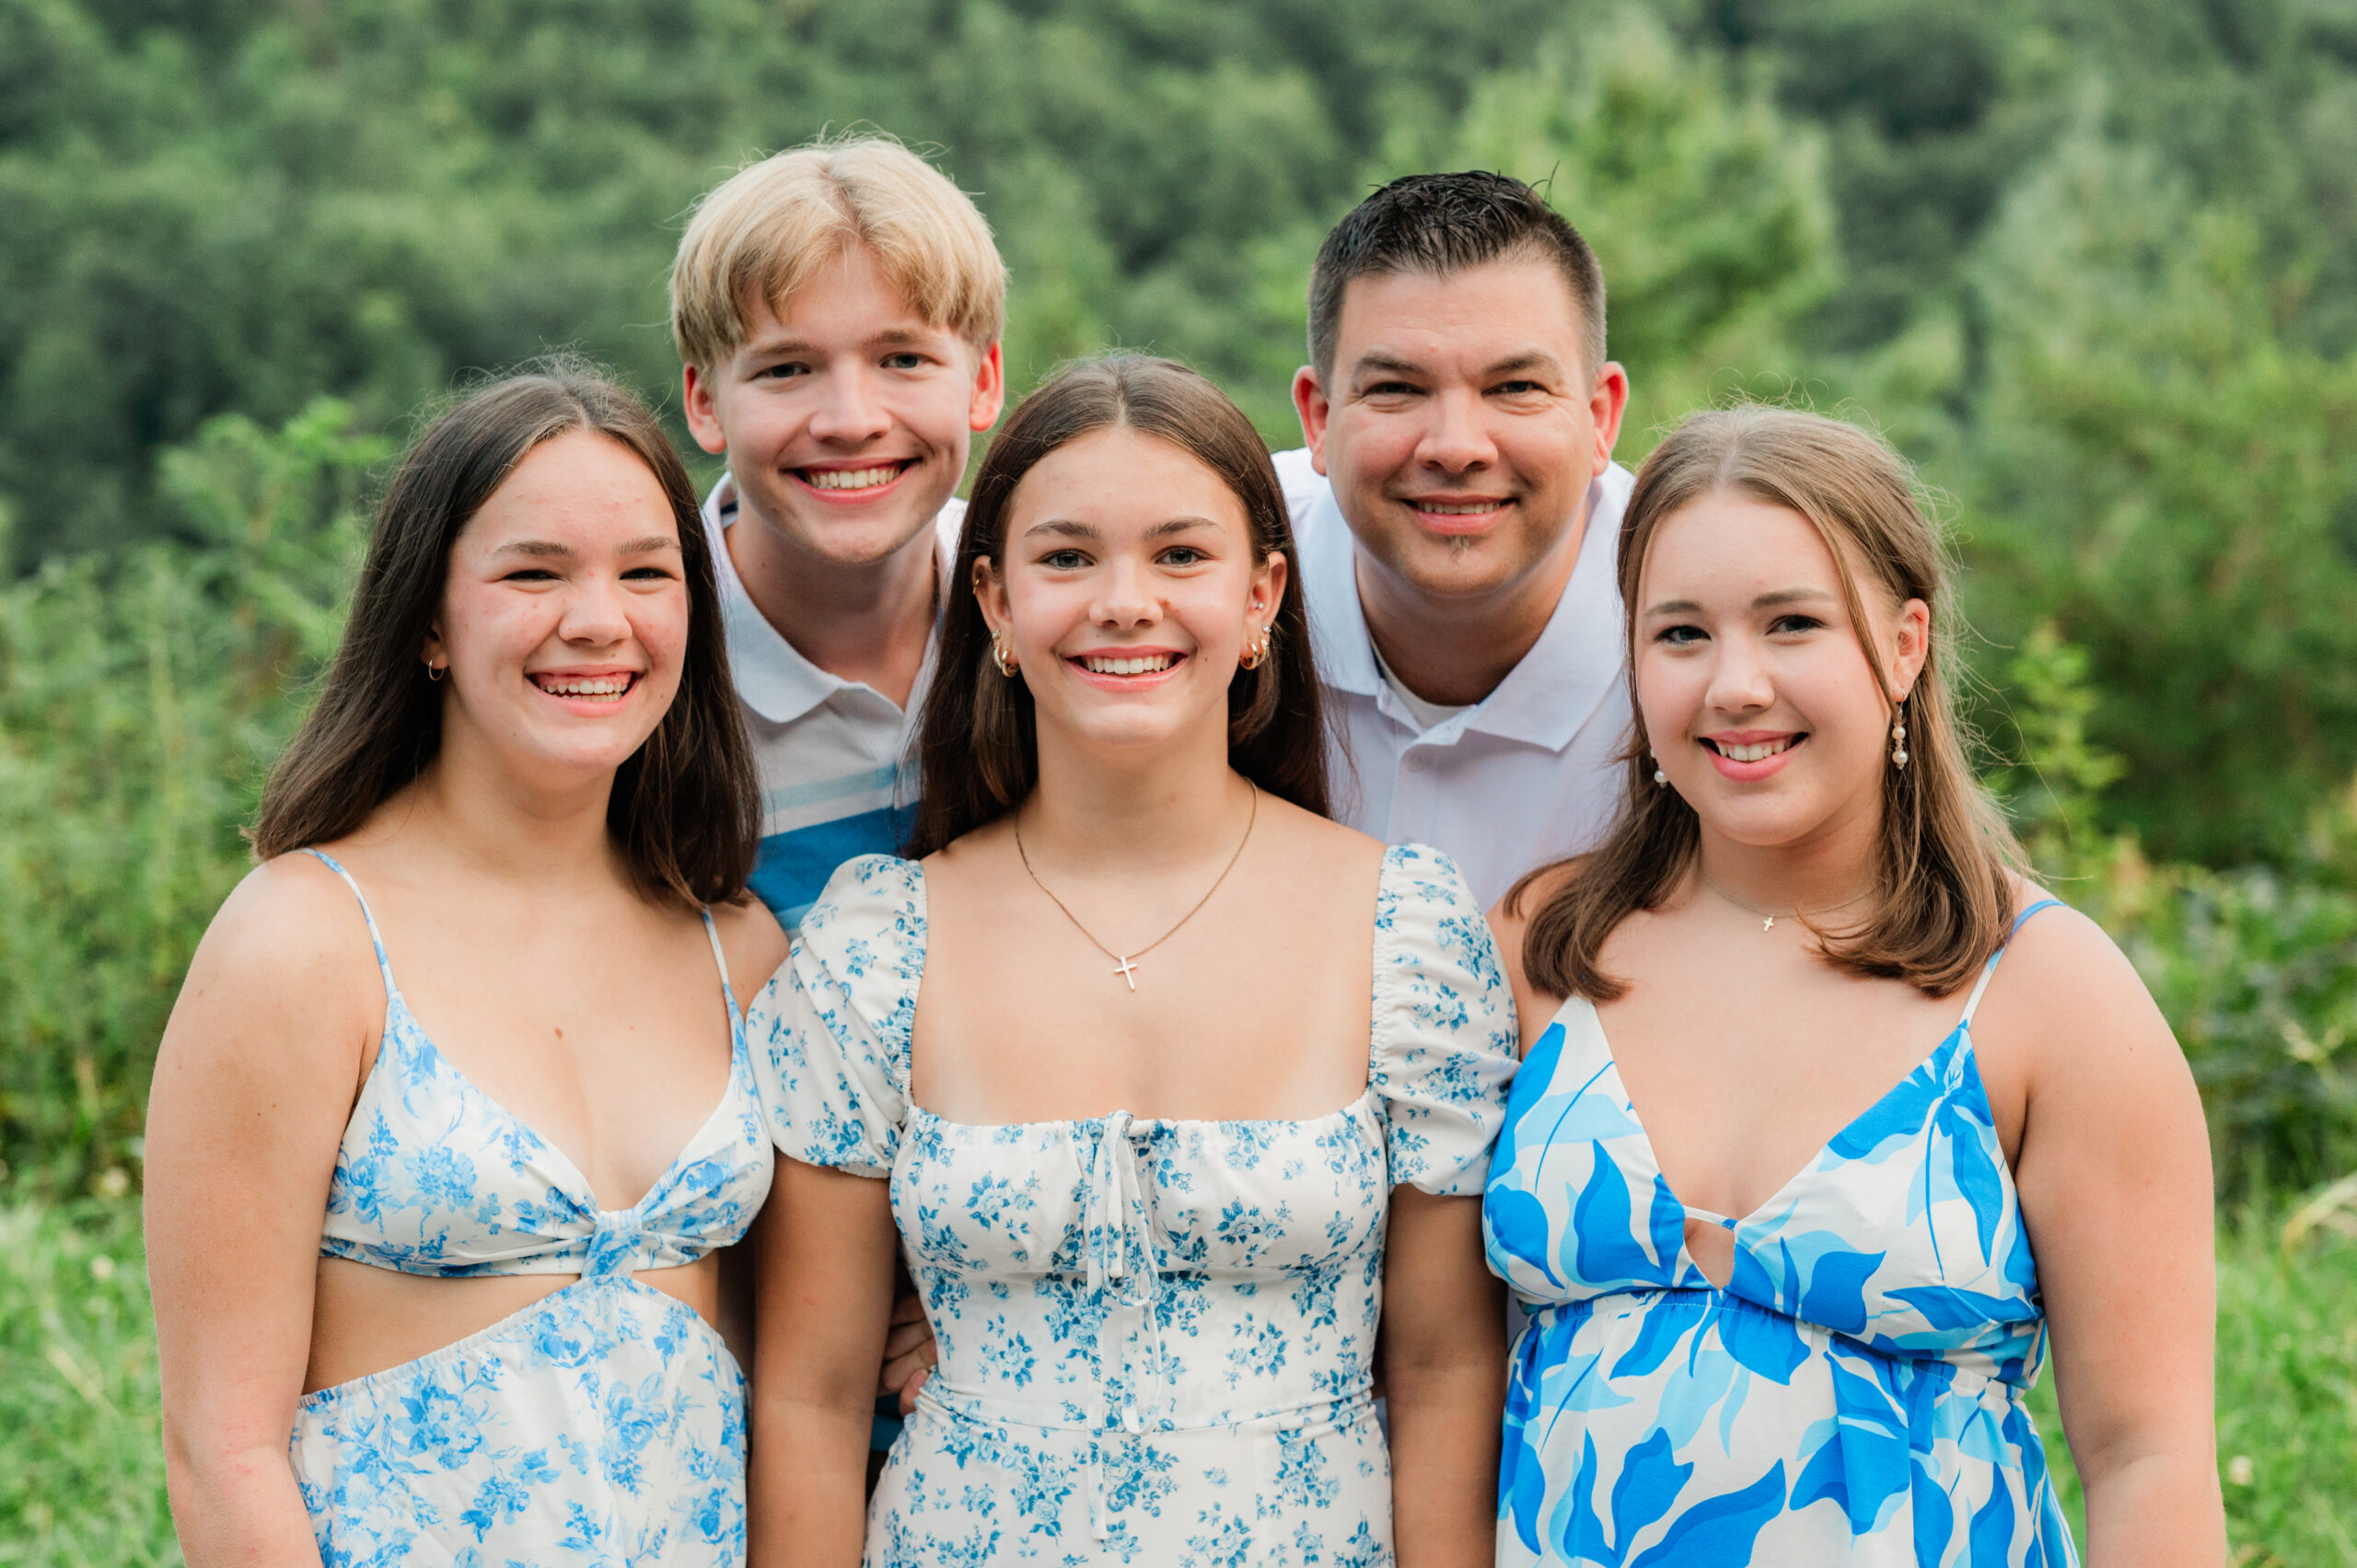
pixel 794 866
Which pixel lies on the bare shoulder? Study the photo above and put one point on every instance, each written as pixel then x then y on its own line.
pixel 1307 834
pixel 2070 999
pixel 752 939
pixel 285 978
pixel 290 920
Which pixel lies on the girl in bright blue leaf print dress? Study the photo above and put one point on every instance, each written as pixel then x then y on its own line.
pixel 1829 1125
pixel 434 1258
pixel 1170 1089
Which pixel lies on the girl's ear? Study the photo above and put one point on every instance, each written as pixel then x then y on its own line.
pixel 1268 591
pixel 1910 647
pixel 990 592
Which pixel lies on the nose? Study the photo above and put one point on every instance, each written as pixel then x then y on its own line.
pixel 1125 596
pixel 1458 440
pixel 850 409
pixel 1740 681
pixel 595 614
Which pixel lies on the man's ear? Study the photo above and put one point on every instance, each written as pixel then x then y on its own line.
pixel 1310 403
pixel 1607 401
pixel 702 410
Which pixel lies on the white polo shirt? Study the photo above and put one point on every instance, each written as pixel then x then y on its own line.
pixel 1526 775
pixel 835 757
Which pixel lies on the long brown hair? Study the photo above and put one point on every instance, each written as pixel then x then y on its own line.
pixel 1945 857
pixel 685 806
pixel 978 748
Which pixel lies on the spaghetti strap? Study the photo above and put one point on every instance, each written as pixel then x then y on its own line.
pixel 1988 969
pixel 375 937
pixel 727 994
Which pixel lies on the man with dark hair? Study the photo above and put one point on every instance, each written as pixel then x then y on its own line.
pixel 1457 509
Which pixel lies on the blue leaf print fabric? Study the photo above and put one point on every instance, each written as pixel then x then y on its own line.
pixel 1853 1397
pixel 1156 1336
pixel 603 1424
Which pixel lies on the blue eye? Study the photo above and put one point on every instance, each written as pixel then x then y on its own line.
pixel 1785 624
pixel 1063 560
pixel 1680 636
pixel 1183 555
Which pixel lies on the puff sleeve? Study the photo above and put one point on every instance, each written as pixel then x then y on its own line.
pixel 828 1034
pixel 1443 1051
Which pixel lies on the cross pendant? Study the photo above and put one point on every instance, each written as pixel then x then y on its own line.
pixel 1769 924
pixel 1128 971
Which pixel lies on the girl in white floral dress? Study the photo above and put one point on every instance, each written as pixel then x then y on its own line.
pixel 434 1260
pixel 1170 1089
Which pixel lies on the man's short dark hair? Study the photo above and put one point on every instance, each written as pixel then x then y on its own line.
pixel 1440 224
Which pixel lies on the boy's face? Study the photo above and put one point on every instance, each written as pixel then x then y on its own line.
pixel 847 420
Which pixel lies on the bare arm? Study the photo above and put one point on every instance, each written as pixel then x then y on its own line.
pixel 827 1246
pixel 1445 1369
pixel 253 1083
pixel 2114 1177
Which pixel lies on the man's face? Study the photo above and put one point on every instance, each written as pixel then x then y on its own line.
pixel 1461 429
pixel 846 422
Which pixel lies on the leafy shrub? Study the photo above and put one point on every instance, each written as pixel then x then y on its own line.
pixel 141 700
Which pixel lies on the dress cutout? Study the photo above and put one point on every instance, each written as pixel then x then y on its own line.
pixel 602 1425
pixel 1156 1336
pixel 1853 1398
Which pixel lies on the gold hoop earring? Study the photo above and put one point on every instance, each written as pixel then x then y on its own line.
pixel 1899 735
pixel 1257 654
pixel 1001 658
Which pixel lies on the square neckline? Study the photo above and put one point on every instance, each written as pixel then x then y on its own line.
pixel 1361 1104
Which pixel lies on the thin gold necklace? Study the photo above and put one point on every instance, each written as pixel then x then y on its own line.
pixel 1124 964
pixel 1768 918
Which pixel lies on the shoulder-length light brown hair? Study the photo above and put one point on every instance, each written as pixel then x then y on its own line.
pixel 684 807
pixel 1945 857
pixel 978 749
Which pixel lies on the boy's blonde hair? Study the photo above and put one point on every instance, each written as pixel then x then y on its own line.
pixel 763 232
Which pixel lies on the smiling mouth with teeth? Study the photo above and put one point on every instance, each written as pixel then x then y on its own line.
pixel 1144 664
pixel 852 479
pixel 588 687
pixel 1459 508
pixel 1758 751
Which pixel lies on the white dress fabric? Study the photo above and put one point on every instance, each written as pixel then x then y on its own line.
pixel 1156 1336
pixel 603 1425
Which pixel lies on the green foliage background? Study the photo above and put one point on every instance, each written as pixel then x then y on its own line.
pixel 2092 264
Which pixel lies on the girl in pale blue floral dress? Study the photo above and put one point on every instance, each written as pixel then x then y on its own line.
pixel 433 1261
pixel 1170 1089
pixel 1789 1278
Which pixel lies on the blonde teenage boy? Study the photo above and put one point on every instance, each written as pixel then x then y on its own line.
pixel 838 308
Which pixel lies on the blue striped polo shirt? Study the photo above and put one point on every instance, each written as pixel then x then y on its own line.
pixel 835 757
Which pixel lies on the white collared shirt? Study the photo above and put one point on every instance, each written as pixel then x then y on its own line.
pixel 1529 775
pixel 835 757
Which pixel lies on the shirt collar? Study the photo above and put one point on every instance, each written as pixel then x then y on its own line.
pixel 771 674
pixel 1545 698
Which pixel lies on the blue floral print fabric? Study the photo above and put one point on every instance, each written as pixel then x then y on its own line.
pixel 605 1424
pixel 1854 1396
pixel 1156 1336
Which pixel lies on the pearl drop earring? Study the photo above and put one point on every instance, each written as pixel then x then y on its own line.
pixel 1899 735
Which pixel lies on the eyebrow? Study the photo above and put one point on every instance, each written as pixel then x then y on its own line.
pixel 1765 601
pixel 1376 362
pixel 555 549
pixel 891 337
pixel 1067 528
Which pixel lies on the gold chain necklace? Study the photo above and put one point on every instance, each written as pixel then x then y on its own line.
pixel 1125 964
pixel 1768 918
